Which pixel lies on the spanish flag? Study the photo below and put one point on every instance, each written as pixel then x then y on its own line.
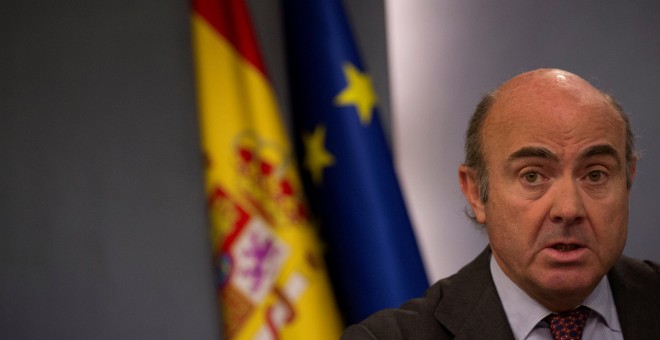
pixel 272 281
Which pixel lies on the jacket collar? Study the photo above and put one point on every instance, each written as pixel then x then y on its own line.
pixel 470 307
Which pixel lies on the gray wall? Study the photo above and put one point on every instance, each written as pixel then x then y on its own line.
pixel 103 232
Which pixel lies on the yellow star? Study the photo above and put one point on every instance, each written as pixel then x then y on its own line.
pixel 359 92
pixel 317 157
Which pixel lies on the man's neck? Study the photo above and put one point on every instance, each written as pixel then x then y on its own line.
pixel 524 312
pixel 557 301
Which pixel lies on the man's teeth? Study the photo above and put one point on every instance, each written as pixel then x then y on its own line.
pixel 565 247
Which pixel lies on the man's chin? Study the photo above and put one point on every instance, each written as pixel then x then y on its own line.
pixel 569 284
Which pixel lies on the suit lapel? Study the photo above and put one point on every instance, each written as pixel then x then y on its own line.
pixel 471 308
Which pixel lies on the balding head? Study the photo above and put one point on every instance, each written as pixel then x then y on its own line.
pixel 533 87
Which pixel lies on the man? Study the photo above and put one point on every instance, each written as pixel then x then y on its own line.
pixel 549 165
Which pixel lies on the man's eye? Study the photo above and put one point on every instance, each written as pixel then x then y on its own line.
pixel 531 177
pixel 595 176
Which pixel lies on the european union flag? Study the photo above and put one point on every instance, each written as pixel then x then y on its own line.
pixel 372 253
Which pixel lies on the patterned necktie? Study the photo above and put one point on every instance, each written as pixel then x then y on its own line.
pixel 569 325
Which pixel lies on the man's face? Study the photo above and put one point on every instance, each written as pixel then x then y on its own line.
pixel 557 208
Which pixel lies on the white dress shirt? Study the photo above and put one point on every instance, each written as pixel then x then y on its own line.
pixel 526 315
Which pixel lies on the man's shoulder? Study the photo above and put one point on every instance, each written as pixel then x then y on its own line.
pixel 635 275
pixel 416 316
pixel 440 313
pixel 635 287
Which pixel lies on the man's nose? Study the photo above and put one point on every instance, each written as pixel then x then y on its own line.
pixel 567 206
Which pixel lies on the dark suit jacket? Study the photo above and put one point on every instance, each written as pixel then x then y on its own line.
pixel 466 306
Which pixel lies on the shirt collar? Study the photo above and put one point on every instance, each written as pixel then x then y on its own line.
pixel 602 302
pixel 524 313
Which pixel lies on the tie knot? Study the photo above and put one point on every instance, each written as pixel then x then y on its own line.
pixel 568 325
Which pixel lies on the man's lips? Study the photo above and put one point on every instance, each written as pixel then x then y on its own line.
pixel 564 244
pixel 565 252
pixel 564 247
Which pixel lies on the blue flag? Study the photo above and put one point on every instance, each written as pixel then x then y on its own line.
pixel 372 252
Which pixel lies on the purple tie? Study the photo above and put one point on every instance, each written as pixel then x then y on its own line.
pixel 569 325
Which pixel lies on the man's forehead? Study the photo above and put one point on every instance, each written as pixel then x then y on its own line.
pixel 534 98
pixel 552 129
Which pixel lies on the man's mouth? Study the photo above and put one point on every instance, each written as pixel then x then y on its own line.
pixel 565 247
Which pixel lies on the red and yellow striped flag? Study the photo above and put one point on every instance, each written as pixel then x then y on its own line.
pixel 272 281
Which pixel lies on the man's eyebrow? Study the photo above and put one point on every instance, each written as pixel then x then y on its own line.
pixel 600 150
pixel 532 151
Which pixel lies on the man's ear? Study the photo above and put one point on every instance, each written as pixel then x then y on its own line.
pixel 467 177
pixel 633 171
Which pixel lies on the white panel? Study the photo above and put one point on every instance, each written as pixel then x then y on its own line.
pixel 428 134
